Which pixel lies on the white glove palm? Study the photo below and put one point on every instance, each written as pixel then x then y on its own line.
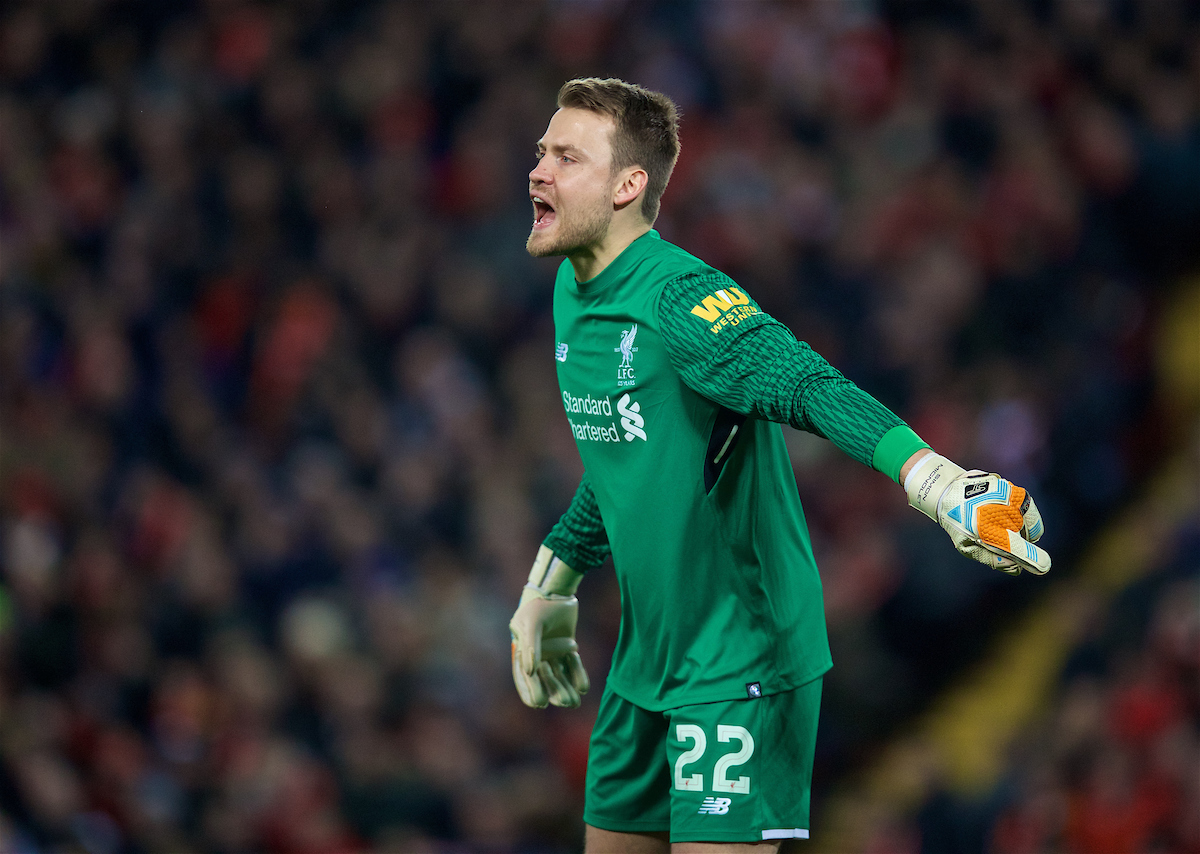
pixel 989 519
pixel 545 658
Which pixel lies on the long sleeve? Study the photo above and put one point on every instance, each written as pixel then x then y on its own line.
pixel 579 538
pixel 729 350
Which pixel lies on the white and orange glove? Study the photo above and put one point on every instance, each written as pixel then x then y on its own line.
pixel 989 519
pixel 545 658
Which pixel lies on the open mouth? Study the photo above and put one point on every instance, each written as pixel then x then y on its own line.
pixel 543 213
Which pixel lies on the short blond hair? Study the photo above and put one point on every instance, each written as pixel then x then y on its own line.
pixel 647 129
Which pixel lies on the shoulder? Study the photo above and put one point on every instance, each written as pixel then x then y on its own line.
pixel 688 281
pixel 696 285
pixel 674 259
pixel 708 300
pixel 660 261
pixel 677 273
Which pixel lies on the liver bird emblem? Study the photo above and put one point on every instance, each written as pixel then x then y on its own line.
pixel 627 349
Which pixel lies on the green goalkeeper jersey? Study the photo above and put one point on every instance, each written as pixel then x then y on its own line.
pixel 672 378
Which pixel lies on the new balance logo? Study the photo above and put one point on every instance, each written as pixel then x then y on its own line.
pixel 560 351
pixel 714 806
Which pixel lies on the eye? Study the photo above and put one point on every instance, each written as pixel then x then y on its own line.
pixel 539 154
pixel 566 159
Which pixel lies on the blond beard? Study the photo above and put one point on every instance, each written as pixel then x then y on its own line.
pixel 573 236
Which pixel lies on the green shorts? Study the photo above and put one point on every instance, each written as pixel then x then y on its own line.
pixel 736 771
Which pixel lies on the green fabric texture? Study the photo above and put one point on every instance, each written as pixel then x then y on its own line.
pixel 579 539
pixel 719 587
pixel 630 789
pixel 759 368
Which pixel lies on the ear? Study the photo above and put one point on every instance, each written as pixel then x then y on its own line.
pixel 630 184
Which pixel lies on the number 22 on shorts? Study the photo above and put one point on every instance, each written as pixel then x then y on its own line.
pixel 721 782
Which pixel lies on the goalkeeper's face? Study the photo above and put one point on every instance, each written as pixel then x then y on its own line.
pixel 572 185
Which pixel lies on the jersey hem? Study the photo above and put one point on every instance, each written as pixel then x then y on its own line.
pixel 737 692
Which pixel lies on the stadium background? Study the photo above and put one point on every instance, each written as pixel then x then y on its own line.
pixel 279 433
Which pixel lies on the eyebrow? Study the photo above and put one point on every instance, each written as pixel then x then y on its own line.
pixel 559 149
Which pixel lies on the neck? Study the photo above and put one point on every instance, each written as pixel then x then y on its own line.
pixel 589 262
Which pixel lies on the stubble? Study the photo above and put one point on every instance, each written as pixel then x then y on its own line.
pixel 573 233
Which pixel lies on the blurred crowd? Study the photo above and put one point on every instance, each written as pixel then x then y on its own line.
pixel 1111 766
pixel 278 426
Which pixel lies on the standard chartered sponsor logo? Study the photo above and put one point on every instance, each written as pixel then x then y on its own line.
pixel 631 420
pixel 630 411
pixel 587 405
pixel 592 433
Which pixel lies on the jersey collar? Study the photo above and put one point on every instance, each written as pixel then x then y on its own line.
pixel 619 267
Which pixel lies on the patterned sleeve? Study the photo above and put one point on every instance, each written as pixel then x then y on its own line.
pixel 729 350
pixel 579 539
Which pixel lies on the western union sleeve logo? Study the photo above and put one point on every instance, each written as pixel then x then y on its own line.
pixel 714 305
pixel 726 307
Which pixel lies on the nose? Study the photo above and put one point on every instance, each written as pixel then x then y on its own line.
pixel 540 174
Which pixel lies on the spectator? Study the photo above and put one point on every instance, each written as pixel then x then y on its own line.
pixel 270 435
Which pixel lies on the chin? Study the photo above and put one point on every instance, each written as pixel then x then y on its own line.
pixel 541 246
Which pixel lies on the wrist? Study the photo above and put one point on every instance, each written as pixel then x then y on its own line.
pixel 551 577
pixel 927 480
pixel 910 463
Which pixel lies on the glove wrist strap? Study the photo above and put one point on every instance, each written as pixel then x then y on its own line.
pixel 551 577
pixel 927 481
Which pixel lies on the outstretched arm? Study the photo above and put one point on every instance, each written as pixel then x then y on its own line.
pixel 727 349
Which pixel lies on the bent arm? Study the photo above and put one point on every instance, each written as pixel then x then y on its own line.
pixel 579 538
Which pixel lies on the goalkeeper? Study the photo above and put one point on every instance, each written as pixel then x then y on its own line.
pixel 675 382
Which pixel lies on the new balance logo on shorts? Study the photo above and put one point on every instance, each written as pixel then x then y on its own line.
pixel 714 806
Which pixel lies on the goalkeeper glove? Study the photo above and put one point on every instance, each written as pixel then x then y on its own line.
pixel 989 519
pixel 545 658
